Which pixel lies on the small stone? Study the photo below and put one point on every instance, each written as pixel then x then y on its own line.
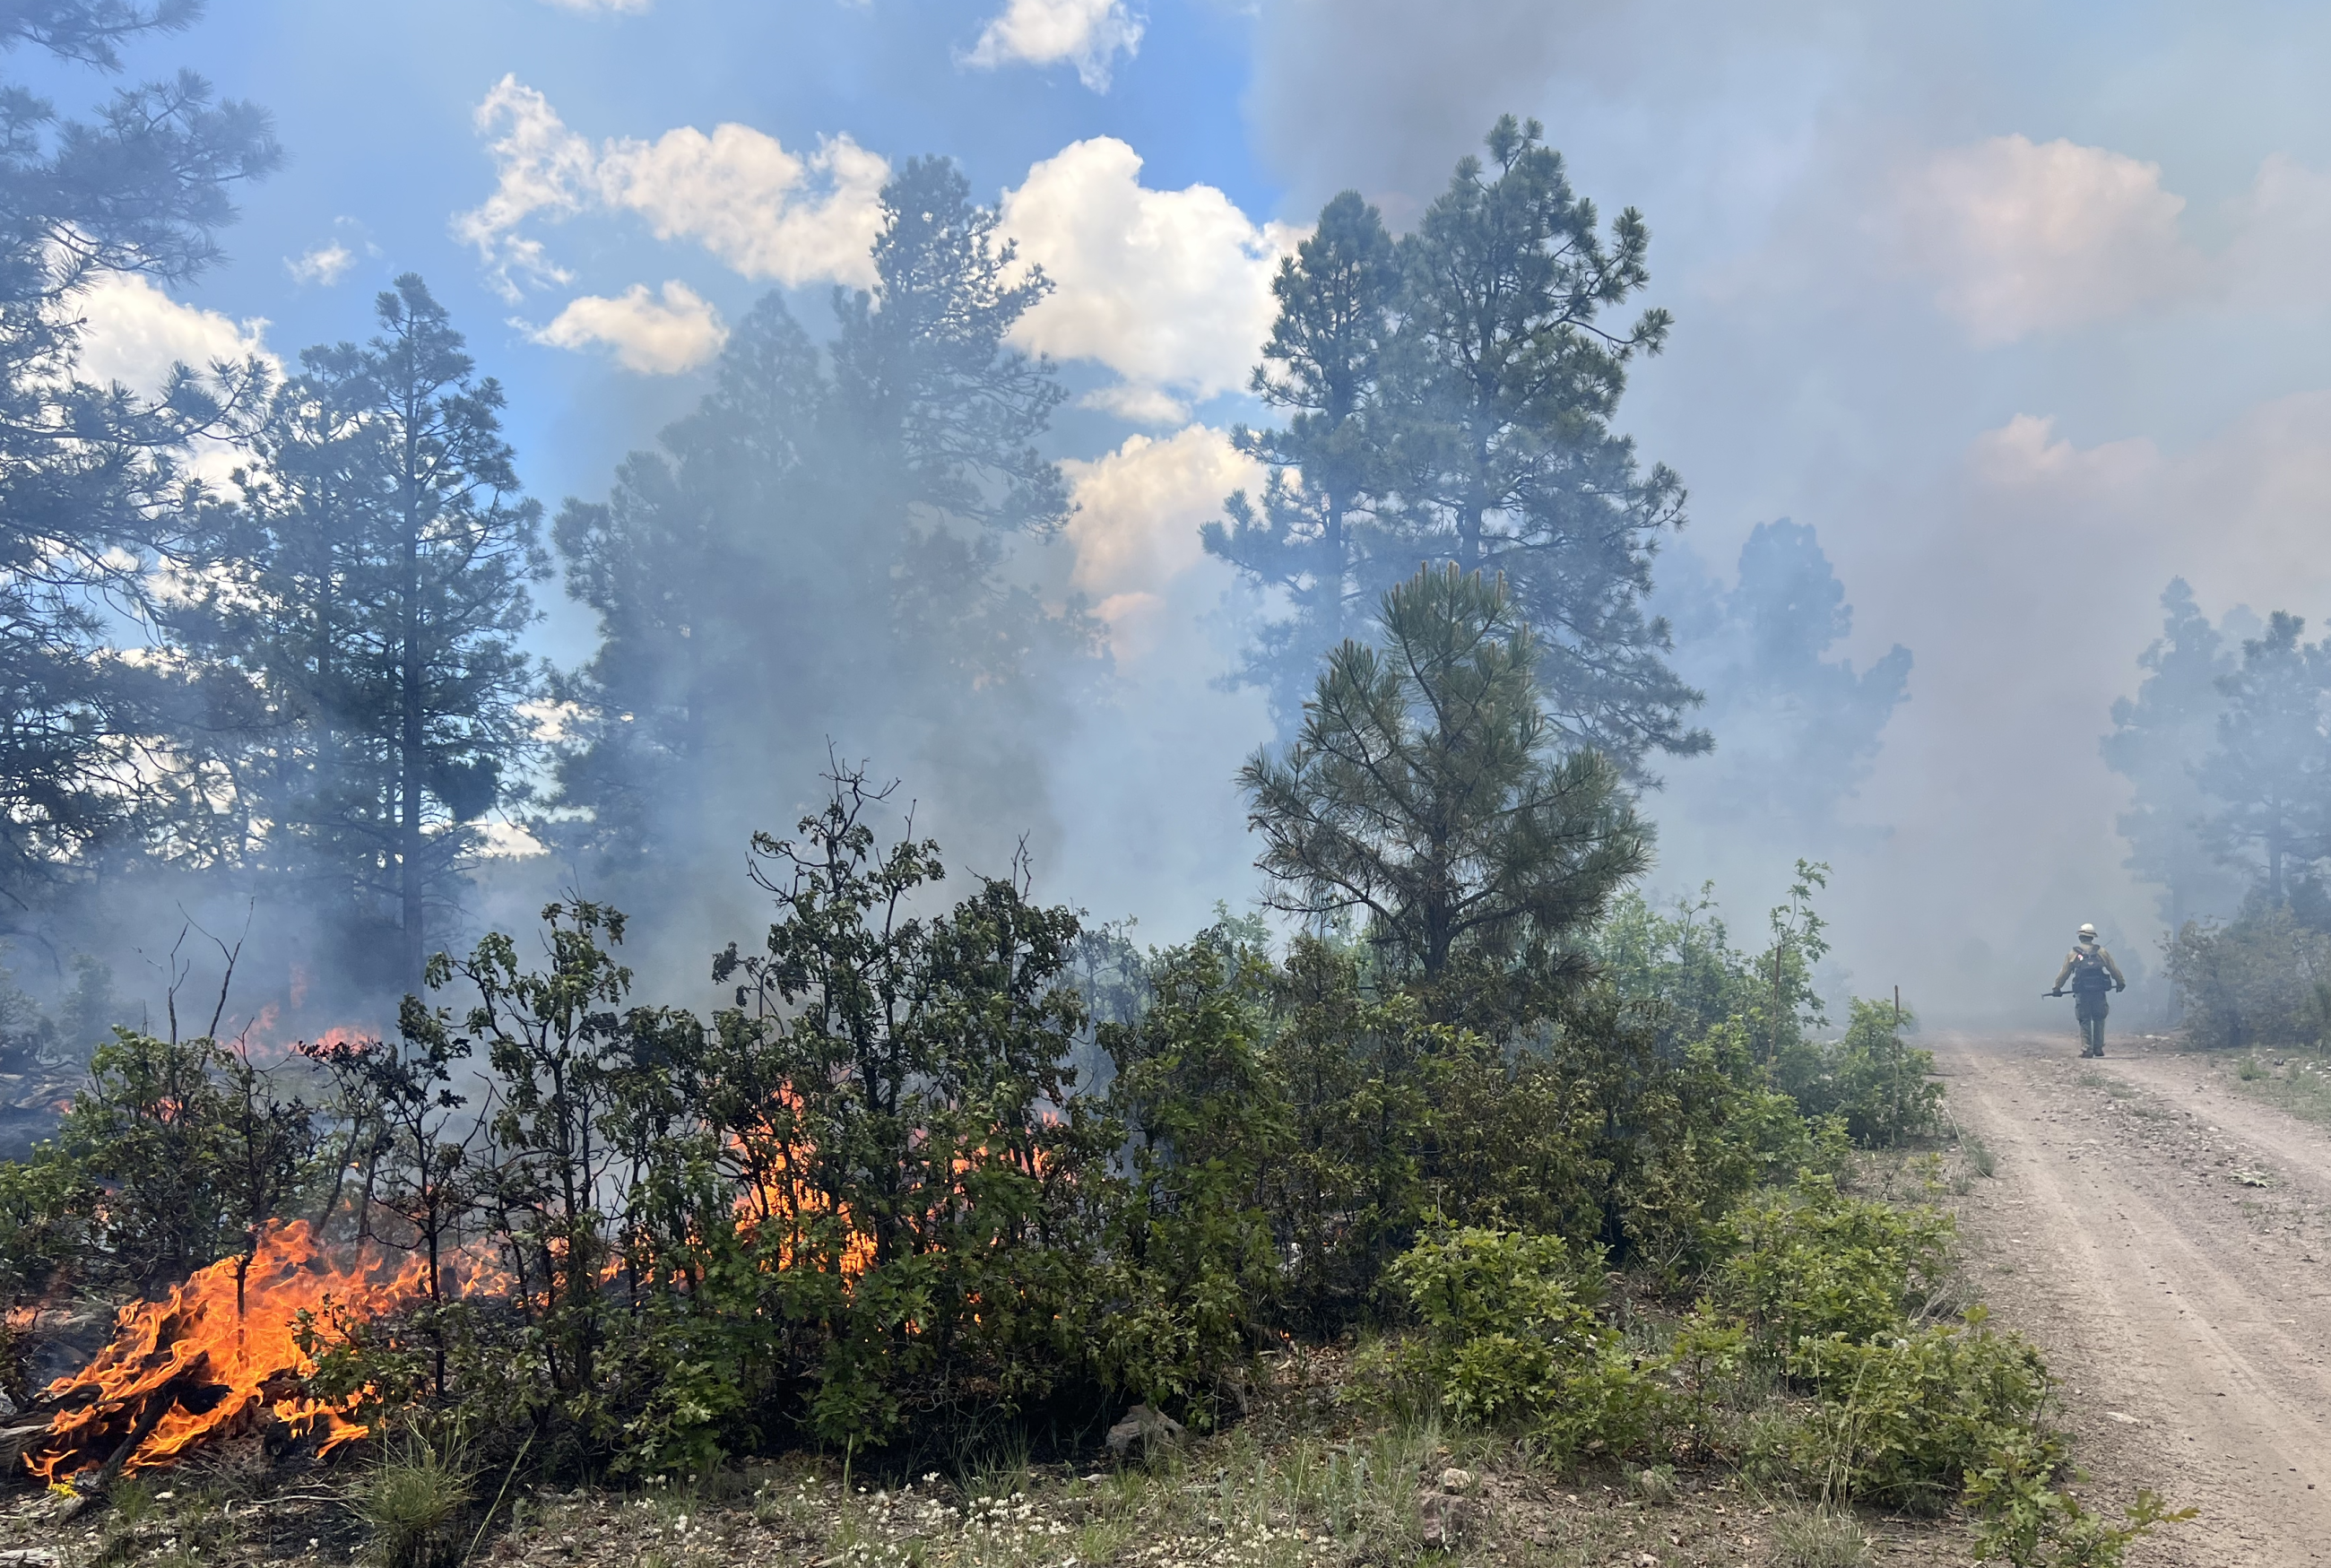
pixel 1453 1479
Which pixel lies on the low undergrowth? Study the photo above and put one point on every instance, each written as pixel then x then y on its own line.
pixel 2297 1080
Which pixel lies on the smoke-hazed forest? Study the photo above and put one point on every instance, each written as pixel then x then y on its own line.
pixel 770 1128
pixel 2226 749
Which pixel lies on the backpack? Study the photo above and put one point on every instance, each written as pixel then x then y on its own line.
pixel 2088 969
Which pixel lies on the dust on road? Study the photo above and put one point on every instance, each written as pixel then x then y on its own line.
pixel 2168 1244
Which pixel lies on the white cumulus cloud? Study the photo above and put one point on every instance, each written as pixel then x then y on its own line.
pixel 766 211
pixel 2023 237
pixel 1087 34
pixel 133 333
pixel 1140 508
pixel 1169 288
pixel 327 264
pixel 654 337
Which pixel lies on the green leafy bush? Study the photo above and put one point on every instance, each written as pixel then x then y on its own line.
pixel 1813 1264
pixel 2262 979
pixel 1882 1089
pixel 1905 1419
pixel 1509 1337
pixel 1190 1263
pixel 2032 1520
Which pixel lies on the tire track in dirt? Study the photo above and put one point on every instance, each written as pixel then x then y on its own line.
pixel 2185 1317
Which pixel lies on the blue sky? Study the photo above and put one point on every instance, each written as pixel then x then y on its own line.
pixel 2023 306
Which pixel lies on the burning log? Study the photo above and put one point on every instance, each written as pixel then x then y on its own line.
pixel 215 1358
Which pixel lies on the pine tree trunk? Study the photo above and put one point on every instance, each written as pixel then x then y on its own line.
pixel 412 761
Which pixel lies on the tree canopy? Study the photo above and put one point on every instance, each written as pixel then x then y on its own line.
pixel 1429 795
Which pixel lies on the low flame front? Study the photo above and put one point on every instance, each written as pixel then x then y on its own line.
pixel 217 1357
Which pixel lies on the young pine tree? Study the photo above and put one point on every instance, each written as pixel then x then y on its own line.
pixel 1430 795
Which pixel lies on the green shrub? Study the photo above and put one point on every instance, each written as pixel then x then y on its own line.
pixel 1190 1262
pixel 2031 1521
pixel 413 1501
pixel 2260 979
pixel 1815 1264
pixel 1904 1419
pixel 1881 1089
pixel 1510 1338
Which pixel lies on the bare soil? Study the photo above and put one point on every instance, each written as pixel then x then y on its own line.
pixel 2168 1242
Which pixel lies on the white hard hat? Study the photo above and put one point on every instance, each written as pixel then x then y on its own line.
pixel 2087 930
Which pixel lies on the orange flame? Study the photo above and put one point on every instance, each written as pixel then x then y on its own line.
pixel 217 1357
pixel 216 1360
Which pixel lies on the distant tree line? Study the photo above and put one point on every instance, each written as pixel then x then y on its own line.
pixel 2227 747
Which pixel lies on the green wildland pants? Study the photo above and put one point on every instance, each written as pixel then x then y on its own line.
pixel 2089 1007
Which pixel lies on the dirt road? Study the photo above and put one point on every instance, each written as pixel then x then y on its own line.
pixel 2168 1243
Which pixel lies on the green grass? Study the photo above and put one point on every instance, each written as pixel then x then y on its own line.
pixel 413 1503
pixel 1813 1539
pixel 2298 1081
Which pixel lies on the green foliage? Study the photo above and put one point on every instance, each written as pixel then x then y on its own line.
pixel 193 1148
pixel 895 1089
pixel 1509 1337
pixel 1812 1265
pixel 1358 1068
pixel 1190 1250
pixel 1882 1089
pixel 49 1208
pixel 2030 1520
pixel 1427 793
pixel 411 1501
pixel 2263 978
pixel 88 468
pixel 1907 1417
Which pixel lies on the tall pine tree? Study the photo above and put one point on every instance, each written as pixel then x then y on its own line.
pixel 88 471
pixel 2156 738
pixel 2270 771
pixel 1486 438
pixel 1324 364
pixel 369 577
pixel 819 553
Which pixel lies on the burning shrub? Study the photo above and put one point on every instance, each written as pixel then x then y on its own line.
pixel 193 1148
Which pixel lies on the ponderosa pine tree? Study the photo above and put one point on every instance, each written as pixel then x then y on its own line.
pixel 1430 795
pixel 1802 725
pixel 87 470
pixel 1324 364
pixel 1486 438
pixel 682 589
pixel 369 579
pixel 2156 737
pixel 2271 768
pixel 816 554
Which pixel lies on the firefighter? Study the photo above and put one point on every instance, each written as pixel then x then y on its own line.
pixel 2092 972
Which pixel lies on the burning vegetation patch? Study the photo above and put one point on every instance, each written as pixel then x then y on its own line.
pixel 218 1357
